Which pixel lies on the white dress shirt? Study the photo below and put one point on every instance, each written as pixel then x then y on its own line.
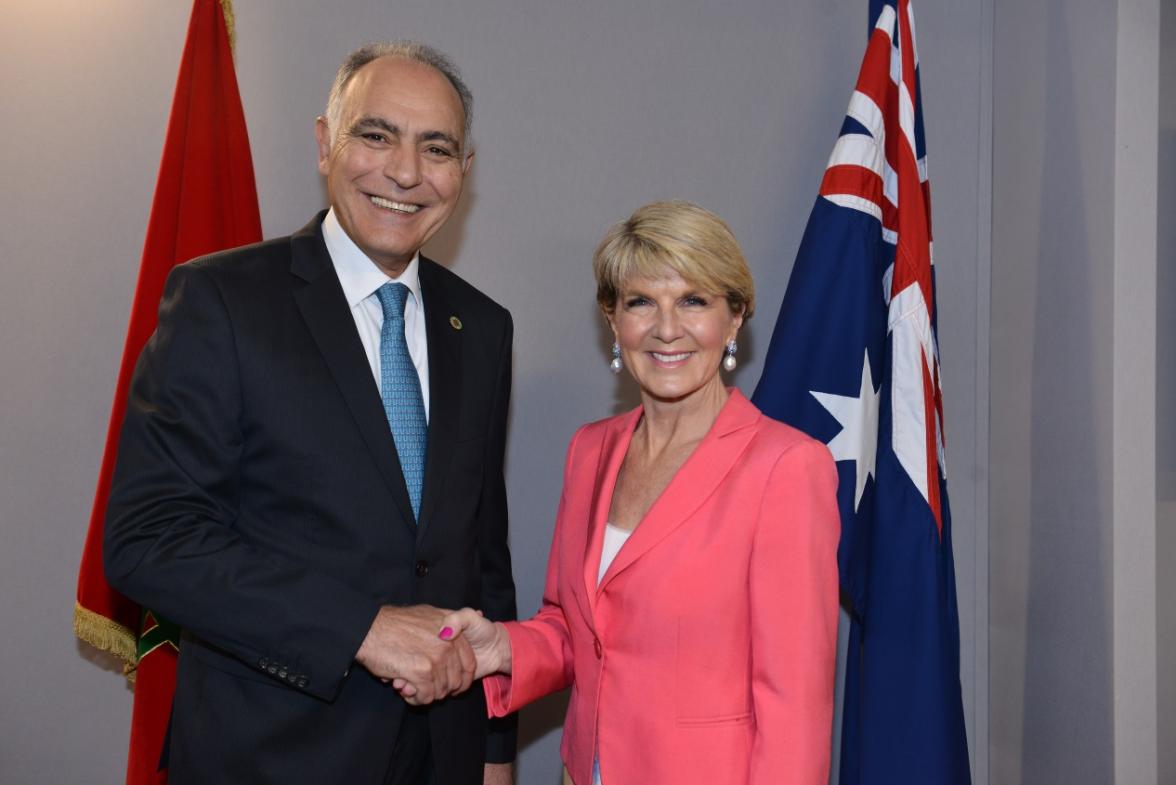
pixel 360 278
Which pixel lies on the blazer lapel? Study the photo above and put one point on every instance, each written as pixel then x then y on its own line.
pixel 695 481
pixel 613 448
pixel 324 308
pixel 445 378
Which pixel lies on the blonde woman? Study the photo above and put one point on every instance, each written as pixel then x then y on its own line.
pixel 691 595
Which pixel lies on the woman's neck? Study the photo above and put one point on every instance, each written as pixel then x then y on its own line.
pixel 669 424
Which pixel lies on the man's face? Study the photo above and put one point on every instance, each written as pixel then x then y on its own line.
pixel 395 168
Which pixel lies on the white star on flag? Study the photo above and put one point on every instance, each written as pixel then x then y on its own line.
pixel 858 438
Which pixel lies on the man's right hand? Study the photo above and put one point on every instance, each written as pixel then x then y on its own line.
pixel 402 645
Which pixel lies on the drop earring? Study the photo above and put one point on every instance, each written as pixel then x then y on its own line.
pixel 616 364
pixel 729 361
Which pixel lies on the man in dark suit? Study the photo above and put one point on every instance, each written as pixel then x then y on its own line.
pixel 312 465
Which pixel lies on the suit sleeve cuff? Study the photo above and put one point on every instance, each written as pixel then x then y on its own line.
pixel 334 666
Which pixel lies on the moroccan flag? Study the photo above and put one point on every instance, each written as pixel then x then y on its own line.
pixel 205 201
pixel 854 362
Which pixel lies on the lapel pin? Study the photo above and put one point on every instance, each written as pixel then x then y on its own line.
pixel 454 322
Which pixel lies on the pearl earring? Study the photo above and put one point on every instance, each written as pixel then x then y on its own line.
pixel 616 364
pixel 729 362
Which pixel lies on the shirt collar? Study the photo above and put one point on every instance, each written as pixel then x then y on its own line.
pixel 359 275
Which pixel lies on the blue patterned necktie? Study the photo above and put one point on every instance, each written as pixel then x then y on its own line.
pixel 400 389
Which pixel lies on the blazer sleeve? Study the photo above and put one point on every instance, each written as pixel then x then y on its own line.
pixel 541 647
pixel 498 589
pixel 794 609
pixel 170 542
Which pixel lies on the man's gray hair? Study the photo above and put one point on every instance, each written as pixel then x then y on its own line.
pixel 409 50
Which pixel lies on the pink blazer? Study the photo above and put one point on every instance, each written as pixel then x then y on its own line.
pixel 706 653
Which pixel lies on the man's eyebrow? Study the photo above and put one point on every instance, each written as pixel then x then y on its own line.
pixel 394 130
pixel 435 136
pixel 374 122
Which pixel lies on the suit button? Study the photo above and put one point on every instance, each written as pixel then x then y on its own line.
pixel 302 682
pixel 597 647
pixel 422 568
pixel 263 663
pixel 272 670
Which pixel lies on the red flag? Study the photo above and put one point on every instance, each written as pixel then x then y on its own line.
pixel 205 201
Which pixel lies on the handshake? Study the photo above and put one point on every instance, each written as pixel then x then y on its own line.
pixel 427 653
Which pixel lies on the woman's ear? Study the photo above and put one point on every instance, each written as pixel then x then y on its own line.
pixel 610 317
pixel 738 322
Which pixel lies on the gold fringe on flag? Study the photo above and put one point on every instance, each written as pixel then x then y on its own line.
pixel 230 24
pixel 102 633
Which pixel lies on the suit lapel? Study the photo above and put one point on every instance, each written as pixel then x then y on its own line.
pixel 694 483
pixel 612 454
pixel 322 304
pixel 445 378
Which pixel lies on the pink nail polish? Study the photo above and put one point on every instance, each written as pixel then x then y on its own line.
pixel 446 633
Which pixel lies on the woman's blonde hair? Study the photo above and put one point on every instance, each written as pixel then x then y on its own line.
pixel 674 236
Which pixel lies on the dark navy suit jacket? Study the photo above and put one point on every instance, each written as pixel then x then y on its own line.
pixel 258 502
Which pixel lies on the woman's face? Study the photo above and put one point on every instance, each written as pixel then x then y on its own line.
pixel 672 334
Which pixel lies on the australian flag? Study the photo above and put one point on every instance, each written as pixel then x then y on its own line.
pixel 854 362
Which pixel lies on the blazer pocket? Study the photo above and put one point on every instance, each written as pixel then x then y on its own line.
pixel 743 718
pixel 711 678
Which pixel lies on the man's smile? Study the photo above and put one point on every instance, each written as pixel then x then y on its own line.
pixel 400 207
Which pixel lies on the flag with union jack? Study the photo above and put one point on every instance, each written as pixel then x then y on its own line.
pixel 854 361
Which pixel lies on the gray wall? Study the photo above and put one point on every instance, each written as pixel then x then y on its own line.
pixel 1073 652
pixel 1050 646
pixel 1166 399
pixel 584 111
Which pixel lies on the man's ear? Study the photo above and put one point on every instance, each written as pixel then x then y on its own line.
pixel 467 163
pixel 322 135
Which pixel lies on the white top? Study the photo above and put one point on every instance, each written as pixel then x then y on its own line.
pixel 360 278
pixel 614 538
